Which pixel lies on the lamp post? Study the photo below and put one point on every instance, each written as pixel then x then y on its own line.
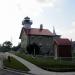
pixel 34 51
pixel 34 48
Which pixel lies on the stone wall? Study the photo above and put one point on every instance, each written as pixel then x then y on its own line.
pixel 44 42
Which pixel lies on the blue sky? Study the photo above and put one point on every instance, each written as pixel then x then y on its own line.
pixel 57 13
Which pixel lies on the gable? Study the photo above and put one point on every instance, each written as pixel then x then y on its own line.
pixel 23 34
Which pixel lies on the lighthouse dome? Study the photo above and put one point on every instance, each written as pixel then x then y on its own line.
pixel 27 22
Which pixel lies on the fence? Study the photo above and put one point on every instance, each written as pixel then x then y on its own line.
pixel 59 59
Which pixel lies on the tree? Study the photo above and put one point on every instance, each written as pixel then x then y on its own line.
pixel 7 44
pixel 16 48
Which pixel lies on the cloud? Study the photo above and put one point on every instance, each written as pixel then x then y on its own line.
pixel 73 24
pixel 49 3
pixel 44 1
pixel 69 32
pixel 32 7
pixel 13 11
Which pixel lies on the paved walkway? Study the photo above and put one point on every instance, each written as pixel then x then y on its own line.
pixel 38 71
pixel 1 60
pixel 5 72
pixel 1 64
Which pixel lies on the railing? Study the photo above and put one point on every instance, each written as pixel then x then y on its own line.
pixel 60 59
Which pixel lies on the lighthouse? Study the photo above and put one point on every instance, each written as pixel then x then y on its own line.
pixel 27 23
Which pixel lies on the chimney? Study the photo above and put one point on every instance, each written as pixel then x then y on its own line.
pixel 41 26
pixel 54 31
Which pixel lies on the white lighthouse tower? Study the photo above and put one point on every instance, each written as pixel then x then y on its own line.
pixel 27 23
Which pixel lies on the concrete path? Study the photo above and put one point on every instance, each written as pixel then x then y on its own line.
pixel 1 60
pixel 36 70
pixel 5 72
pixel 0 64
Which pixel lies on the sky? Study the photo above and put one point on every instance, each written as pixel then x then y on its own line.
pixel 57 13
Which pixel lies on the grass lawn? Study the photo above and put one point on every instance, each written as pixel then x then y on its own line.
pixel 14 64
pixel 48 63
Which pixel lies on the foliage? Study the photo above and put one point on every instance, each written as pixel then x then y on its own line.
pixel 16 48
pixel 7 44
pixel 14 64
pixel 4 49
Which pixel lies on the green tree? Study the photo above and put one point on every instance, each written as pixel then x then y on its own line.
pixel 7 44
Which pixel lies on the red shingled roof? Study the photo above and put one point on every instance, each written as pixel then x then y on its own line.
pixel 62 41
pixel 35 31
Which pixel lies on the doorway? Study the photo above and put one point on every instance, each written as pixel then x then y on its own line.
pixel 33 49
